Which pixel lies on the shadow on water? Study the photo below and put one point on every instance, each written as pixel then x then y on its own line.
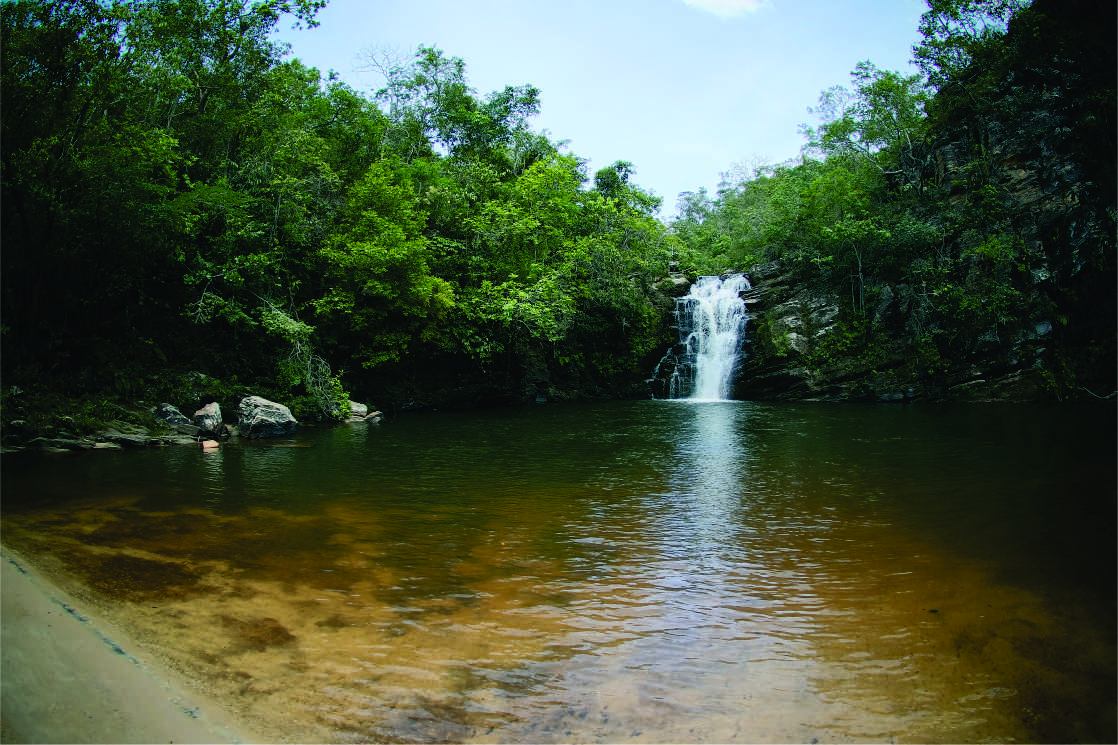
pixel 642 571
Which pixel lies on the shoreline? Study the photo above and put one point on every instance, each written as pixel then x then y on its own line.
pixel 67 675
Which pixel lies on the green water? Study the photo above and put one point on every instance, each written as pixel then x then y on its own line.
pixel 658 571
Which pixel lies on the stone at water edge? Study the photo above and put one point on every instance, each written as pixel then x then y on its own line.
pixel 360 413
pixel 208 419
pixel 260 417
pixel 128 440
pixel 169 414
pixel 174 419
pixel 210 444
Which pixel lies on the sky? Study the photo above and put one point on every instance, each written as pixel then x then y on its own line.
pixel 691 92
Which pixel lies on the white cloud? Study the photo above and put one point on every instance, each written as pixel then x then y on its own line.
pixel 727 8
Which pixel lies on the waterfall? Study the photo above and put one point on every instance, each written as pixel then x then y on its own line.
pixel 711 319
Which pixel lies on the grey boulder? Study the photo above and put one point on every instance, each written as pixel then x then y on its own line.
pixel 260 418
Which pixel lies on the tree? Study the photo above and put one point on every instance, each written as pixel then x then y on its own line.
pixel 611 180
pixel 878 120
pixel 382 299
pixel 530 223
pixel 87 191
pixel 430 99
pixel 955 31
pixel 208 61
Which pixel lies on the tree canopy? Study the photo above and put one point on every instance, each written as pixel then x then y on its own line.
pixel 178 193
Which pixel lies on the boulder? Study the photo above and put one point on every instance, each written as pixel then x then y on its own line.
pixel 208 419
pixel 169 414
pixel 260 418
pixel 357 412
pixel 174 419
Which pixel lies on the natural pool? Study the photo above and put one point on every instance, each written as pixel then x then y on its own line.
pixel 657 571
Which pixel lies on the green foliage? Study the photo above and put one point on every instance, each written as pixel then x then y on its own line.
pixel 200 201
pixel 432 107
pixel 955 32
pixel 382 296
pixel 775 342
pixel 875 121
pixel 177 195
pixel 849 337
pixel 874 212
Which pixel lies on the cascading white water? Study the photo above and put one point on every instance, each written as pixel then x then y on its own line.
pixel 711 319
pixel 719 318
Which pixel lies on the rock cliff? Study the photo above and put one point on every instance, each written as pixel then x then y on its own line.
pixel 1020 299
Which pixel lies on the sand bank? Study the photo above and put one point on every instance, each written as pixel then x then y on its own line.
pixel 68 676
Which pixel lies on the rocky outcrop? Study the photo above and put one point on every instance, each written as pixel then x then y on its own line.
pixel 261 418
pixel 675 285
pixel 785 323
pixel 795 348
pixel 131 437
pixel 118 436
pixel 146 426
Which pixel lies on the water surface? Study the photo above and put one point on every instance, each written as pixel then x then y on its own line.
pixel 656 571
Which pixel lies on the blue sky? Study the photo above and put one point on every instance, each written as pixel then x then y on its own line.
pixel 686 90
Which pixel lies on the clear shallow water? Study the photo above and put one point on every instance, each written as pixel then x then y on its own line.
pixel 659 571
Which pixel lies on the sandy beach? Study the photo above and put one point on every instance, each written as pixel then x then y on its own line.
pixel 68 676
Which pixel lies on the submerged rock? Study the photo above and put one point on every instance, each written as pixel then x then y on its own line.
pixel 260 418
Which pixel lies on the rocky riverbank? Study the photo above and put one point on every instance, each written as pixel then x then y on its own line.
pixel 164 425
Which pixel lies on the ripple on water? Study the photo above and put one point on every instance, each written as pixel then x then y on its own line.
pixel 688 577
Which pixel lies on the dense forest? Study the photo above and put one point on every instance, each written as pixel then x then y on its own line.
pixel 944 229
pixel 180 197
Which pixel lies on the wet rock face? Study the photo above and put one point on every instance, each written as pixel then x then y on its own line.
pixel 786 322
pixel 790 350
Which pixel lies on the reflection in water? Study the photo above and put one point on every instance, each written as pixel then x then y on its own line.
pixel 649 571
pixel 214 476
pixel 712 458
